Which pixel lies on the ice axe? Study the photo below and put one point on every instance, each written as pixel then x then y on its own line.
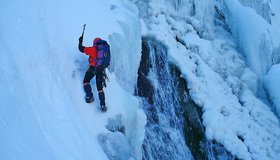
pixel 84 26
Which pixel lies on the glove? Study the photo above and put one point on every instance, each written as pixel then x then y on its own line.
pixel 81 39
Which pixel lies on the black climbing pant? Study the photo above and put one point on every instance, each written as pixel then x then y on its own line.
pixel 100 81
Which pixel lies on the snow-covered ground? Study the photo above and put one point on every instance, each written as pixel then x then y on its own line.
pixel 43 114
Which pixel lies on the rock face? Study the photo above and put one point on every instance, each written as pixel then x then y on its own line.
pixel 164 130
pixel 174 129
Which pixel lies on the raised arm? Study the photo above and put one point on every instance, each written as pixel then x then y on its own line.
pixel 81 47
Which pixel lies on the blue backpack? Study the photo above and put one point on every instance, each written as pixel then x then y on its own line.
pixel 104 55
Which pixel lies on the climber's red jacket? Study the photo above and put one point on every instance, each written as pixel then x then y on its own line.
pixel 91 51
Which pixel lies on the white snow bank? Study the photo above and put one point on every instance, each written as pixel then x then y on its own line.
pixel 43 114
pixel 271 82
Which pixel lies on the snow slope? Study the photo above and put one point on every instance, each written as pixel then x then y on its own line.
pixel 42 110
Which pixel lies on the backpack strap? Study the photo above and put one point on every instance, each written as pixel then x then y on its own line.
pixel 101 42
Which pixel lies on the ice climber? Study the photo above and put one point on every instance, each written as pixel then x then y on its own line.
pixel 96 68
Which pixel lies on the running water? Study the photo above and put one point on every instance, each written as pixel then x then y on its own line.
pixel 174 127
pixel 164 131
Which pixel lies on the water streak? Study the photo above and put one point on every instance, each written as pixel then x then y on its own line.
pixel 164 131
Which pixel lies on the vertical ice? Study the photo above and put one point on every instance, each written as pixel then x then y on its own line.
pixel 126 46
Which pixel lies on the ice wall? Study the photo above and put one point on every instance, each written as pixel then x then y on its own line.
pixel 261 7
pixel 257 39
pixel 126 44
pixel 271 83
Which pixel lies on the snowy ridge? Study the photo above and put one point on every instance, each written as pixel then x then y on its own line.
pixel 43 114
pixel 217 77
